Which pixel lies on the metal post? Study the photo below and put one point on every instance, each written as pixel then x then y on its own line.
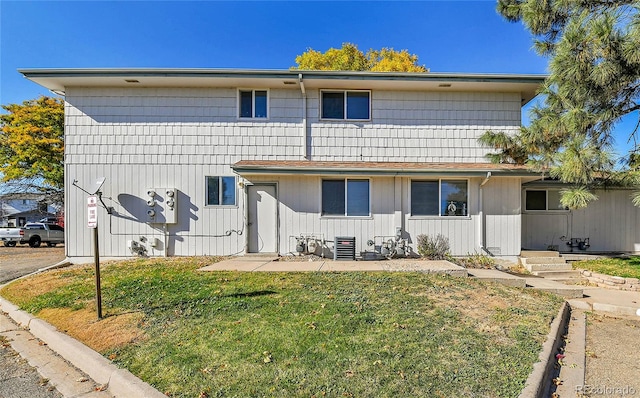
pixel 97 262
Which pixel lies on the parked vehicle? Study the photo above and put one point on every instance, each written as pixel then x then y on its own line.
pixel 10 236
pixel 37 233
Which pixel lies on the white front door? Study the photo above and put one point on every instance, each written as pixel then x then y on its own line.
pixel 262 220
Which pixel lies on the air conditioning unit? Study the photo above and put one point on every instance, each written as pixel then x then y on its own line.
pixel 344 248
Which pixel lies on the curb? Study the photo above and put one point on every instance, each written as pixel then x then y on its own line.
pixel 120 382
pixel 539 382
pixel 572 370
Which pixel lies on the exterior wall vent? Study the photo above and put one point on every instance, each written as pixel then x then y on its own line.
pixel 344 248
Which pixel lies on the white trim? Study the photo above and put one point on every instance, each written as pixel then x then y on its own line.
pixel 439 216
pixel 344 92
pixel 253 104
pixel 547 209
pixel 206 191
pixel 346 194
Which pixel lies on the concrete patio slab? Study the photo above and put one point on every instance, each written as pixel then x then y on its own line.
pixel 272 264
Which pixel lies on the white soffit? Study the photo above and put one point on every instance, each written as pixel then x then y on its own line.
pixel 60 79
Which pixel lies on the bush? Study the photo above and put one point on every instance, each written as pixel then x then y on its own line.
pixel 475 261
pixel 434 248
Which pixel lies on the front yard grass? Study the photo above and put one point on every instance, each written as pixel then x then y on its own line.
pixel 355 334
pixel 628 267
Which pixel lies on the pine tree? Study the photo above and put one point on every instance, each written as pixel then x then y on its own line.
pixel 594 52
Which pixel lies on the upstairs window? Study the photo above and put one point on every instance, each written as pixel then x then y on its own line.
pixel 252 104
pixel 346 105
pixel 345 197
pixel 440 198
pixel 221 191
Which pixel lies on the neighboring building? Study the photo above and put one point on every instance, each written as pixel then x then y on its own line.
pixel 17 209
pixel 221 162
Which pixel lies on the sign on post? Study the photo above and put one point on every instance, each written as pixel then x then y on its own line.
pixel 92 211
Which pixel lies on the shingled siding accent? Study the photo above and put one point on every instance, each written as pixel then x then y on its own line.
pixel 415 127
pixel 177 126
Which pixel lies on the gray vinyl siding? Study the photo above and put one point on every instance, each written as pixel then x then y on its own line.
pixel 610 223
pixel 142 138
pixel 501 203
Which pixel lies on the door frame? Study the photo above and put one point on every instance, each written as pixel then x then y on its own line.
pixel 273 184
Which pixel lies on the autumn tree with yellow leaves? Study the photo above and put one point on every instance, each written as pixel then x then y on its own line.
pixel 350 58
pixel 32 149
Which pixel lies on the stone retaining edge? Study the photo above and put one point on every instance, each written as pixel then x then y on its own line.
pixel 611 282
pixel 539 381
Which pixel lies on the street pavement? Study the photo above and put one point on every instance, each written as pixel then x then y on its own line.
pixel 18 379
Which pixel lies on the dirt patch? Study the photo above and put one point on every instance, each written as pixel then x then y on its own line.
pixel 101 335
pixel 612 355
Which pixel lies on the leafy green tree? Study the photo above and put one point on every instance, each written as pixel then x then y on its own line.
pixel 32 150
pixel 350 58
pixel 594 52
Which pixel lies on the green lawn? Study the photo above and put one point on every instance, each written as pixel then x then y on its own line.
pixel 628 267
pixel 231 334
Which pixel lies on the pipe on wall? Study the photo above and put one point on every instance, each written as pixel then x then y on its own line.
pixel 481 232
pixel 303 90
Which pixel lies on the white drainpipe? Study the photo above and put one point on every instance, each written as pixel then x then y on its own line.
pixel 481 231
pixel 304 116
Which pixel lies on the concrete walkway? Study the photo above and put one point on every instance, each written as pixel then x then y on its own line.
pixel 275 264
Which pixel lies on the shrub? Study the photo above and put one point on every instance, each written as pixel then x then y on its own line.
pixel 475 260
pixel 434 248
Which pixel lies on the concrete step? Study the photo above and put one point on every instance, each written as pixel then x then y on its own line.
pixel 547 267
pixel 542 260
pixel 550 286
pixel 538 253
pixel 561 274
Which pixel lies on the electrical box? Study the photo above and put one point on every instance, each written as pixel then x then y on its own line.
pixel 170 205
pixel 162 205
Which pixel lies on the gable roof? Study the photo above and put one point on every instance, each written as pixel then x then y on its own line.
pixel 57 80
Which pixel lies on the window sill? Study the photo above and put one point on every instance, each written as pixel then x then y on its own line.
pixel 468 217
pixel 252 119
pixel 329 217
pixel 345 120
pixel 560 211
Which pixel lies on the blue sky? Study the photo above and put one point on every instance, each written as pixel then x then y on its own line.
pixel 447 36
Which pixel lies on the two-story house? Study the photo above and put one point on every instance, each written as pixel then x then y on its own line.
pixel 17 209
pixel 221 162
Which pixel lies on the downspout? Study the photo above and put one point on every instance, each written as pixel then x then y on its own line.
pixel 481 232
pixel 304 116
